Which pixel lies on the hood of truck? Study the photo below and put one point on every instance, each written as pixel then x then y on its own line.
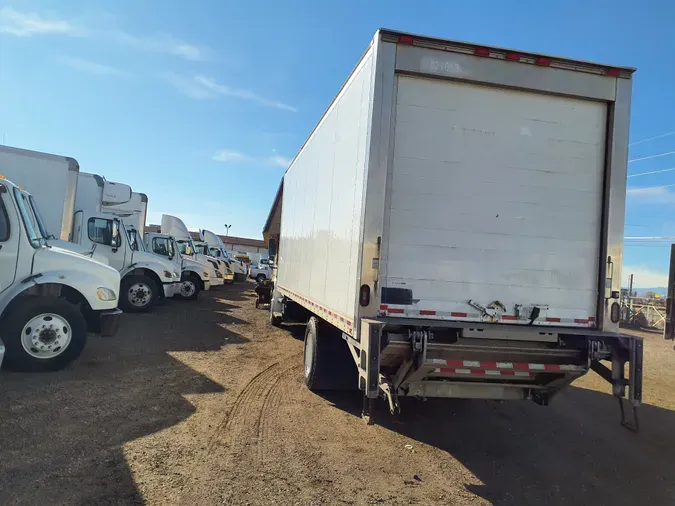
pixel 175 227
pixel 79 249
pixel 69 263
pixel 162 262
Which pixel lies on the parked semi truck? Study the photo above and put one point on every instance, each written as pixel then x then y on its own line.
pixel 72 202
pixel 235 269
pixel 506 172
pixel 175 227
pixel 49 297
pixel 195 275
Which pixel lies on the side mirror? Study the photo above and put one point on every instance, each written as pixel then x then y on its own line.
pixel 115 240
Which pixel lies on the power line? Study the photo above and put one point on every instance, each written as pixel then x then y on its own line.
pixel 639 188
pixel 652 138
pixel 652 172
pixel 652 156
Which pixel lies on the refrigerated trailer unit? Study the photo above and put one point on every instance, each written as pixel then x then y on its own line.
pixel 456 217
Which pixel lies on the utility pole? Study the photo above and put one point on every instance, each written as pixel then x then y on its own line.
pixel 630 293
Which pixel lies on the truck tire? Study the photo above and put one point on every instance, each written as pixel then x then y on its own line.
pixel 190 287
pixel 138 294
pixel 43 334
pixel 275 321
pixel 260 278
pixel 328 362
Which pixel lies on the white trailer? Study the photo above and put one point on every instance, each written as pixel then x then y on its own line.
pixel 456 217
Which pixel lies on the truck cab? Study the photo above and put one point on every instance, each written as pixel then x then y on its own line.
pixel 146 278
pixel 175 227
pixel 195 276
pixel 235 269
pixel 201 250
pixel 49 297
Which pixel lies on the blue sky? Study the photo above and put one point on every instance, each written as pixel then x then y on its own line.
pixel 201 105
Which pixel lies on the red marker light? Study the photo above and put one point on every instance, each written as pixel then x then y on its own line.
pixel 405 39
pixel 481 51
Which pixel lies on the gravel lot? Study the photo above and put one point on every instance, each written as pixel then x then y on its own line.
pixel 203 403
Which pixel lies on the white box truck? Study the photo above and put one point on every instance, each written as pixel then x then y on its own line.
pixel 49 297
pixel 456 218
pixel 73 203
pixel 133 212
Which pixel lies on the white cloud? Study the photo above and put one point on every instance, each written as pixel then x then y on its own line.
pixel 279 160
pixel 652 195
pixel 221 89
pixel 27 24
pixel 227 156
pixel 644 277
pixel 188 87
pixel 156 43
pixel 92 67
pixel 230 156
pixel 200 87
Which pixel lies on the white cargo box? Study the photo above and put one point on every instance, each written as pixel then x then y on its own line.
pixel 454 182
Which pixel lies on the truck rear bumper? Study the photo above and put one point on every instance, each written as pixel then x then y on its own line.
pixel 109 322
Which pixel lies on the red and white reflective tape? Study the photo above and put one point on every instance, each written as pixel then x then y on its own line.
pixel 388 309
pixel 484 372
pixel 508 366
pixel 329 315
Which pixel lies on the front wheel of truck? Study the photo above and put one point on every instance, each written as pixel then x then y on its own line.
pixel 138 294
pixel 190 287
pixel 43 334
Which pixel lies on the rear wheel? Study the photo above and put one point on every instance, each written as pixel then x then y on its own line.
pixel 190 287
pixel 139 294
pixel 260 278
pixel 327 359
pixel 43 334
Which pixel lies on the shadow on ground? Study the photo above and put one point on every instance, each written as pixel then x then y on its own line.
pixel 567 453
pixel 62 433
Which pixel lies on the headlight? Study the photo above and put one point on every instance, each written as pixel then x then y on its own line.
pixel 167 274
pixel 104 293
pixel 219 274
pixel 176 275
pixel 206 274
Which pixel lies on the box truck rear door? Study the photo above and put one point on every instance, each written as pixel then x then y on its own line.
pixel 496 205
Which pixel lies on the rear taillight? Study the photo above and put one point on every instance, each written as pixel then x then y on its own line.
pixel 615 312
pixel 364 295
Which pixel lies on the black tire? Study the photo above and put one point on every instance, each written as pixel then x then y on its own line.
pixel 196 287
pixel 275 321
pixel 147 289
pixel 260 278
pixel 18 358
pixel 328 362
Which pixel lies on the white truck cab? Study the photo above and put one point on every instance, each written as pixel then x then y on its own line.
pixel 175 227
pixel 146 278
pixel 223 271
pixel 217 249
pixel 195 276
pixel 49 297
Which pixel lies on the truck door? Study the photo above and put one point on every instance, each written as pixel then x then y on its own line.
pixel 100 232
pixel 9 239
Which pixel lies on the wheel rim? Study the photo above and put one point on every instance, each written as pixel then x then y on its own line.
pixel 188 288
pixel 139 295
pixel 46 336
pixel 309 353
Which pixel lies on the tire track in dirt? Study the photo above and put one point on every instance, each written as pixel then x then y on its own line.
pixel 268 420
pixel 243 417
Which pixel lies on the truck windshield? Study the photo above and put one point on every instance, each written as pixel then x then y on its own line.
pixel 39 220
pixel 28 218
pixel 184 247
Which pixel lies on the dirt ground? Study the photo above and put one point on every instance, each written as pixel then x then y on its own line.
pixel 203 403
